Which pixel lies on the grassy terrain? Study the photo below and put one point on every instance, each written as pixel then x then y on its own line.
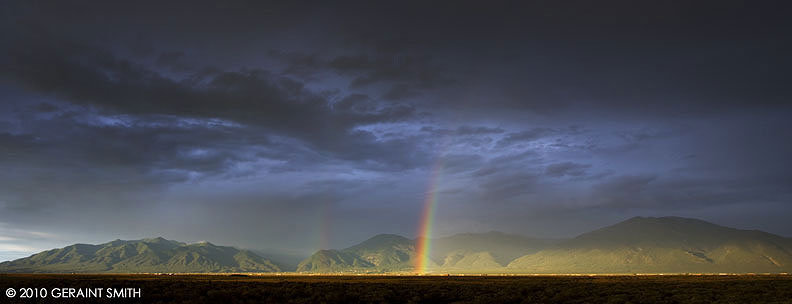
pixel 421 289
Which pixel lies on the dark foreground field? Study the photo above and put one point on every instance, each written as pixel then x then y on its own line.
pixel 414 289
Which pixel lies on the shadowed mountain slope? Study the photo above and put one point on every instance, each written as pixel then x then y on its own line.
pixel 332 261
pixel 381 253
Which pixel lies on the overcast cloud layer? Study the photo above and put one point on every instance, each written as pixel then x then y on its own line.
pixel 293 126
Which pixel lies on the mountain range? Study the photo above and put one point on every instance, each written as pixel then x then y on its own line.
pixel 637 245
pixel 394 253
pixel 658 245
pixel 146 255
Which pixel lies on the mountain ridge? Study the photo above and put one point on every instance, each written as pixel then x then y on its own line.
pixel 635 245
pixel 663 244
pixel 144 255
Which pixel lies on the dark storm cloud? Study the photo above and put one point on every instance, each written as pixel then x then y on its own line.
pixel 356 103
pixel 253 97
pixel 503 187
pixel 667 193
pixel 406 76
pixel 64 155
pixel 173 61
pixel 468 130
pixel 524 136
pixel 256 112
pixel 623 190
pixel 566 169
pixel 400 91
pixel 508 178
pixel 463 130
pixel 407 71
pixel 461 162
pixel 303 65
pixel 645 134
pixel 45 108
pixel 673 57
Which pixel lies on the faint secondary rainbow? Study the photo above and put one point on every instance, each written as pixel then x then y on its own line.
pixel 424 246
pixel 325 226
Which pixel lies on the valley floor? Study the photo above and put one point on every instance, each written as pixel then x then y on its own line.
pixel 407 289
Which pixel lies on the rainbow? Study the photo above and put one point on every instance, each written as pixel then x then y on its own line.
pixel 423 248
pixel 324 226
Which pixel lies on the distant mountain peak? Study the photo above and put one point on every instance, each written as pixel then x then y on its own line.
pixel 665 219
pixel 383 240
pixel 158 239
pixel 673 223
pixel 388 237
pixel 668 231
pixel 663 244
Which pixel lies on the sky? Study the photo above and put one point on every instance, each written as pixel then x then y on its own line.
pixel 291 126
